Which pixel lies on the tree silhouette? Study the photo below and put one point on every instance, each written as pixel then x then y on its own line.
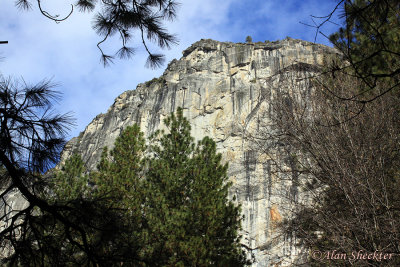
pixel 31 138
pixel 369 42
pixel 122 17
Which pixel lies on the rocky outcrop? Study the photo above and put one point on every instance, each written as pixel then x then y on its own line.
pixel 225 90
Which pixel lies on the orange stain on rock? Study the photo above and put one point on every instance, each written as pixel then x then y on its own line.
pixel 274 214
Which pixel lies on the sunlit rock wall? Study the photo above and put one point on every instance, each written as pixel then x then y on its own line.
pixel 225 90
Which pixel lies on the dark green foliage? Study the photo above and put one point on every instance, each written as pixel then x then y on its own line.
pixel 170 204
pixel 249 39
pixel 160 81
pixel 119 175
pixel 87 229
pixel 370 42
pixel 94 236
pixel 193 222
pixel 31 137
pixel 70 183
pixel 119 180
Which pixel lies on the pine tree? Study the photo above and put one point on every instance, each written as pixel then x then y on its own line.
pixel 120 170
pixel 192 221
pixel 124 19
pixel 119 180
pixel 172 200
pixel 70 183
pixel 370 43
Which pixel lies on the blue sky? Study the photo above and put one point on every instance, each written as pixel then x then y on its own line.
pixel 66 52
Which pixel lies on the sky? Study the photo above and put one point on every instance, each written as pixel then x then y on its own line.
pixel 40 49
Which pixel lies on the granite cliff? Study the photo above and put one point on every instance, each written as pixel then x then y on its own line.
pixel 225 90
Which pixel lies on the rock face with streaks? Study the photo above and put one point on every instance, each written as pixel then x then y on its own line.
pixel 225 90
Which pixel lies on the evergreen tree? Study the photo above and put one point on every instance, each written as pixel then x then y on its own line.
pixel 192 221
pixel 98 232
pixel 172 201
pixel 119 181
pixel 70 183
pixel 370 43
pixel 119 171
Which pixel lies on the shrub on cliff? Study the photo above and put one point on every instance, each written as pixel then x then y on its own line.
pixel 249 39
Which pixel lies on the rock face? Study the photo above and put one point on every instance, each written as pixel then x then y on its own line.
pixel 225 90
